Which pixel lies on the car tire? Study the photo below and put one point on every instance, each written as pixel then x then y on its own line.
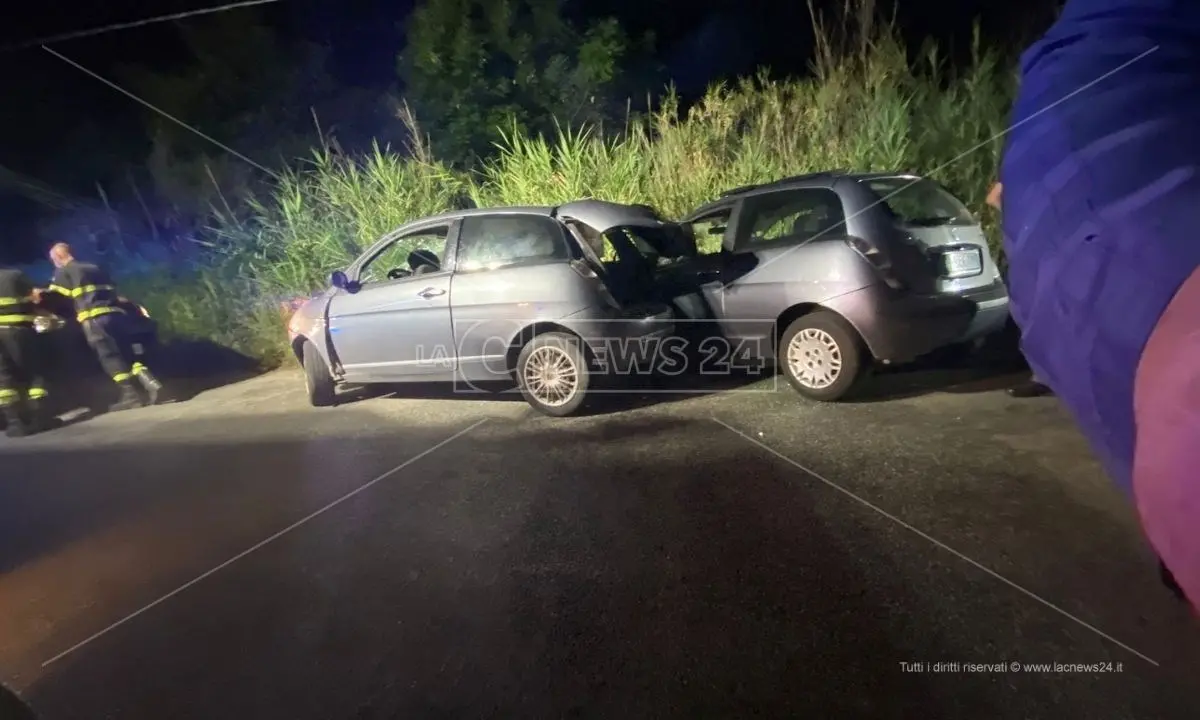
pixel 824 339
pixel 321 389
pixel 560 357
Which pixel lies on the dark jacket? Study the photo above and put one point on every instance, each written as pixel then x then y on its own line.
pixel 16 299
pixel 89 286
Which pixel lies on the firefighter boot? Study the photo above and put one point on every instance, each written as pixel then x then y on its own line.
pixel 14 423
pixel 129 398
pixel 40 417
pixel 150 384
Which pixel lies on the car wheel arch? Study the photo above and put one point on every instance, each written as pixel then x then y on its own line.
pixel 298 347
pixel 529 332
pixel 799 310
pixel 323 350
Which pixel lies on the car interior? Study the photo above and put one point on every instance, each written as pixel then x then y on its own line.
pixel 423 262
pixel 401 260
pixel 798 218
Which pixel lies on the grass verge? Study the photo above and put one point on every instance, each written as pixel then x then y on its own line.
pixel 869 106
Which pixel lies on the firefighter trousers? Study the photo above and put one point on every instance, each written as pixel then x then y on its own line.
pixel 21 366
pixel 108 339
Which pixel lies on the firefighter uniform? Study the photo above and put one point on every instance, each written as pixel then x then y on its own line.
pixel 103 322
pixel 22 388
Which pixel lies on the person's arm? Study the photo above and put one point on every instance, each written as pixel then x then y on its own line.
pixel 993 197
pixel 59 283
pixel 27 289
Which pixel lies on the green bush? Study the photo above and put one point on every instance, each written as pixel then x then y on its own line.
pixel 868 106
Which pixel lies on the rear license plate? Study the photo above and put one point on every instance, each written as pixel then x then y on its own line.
pixel 962 263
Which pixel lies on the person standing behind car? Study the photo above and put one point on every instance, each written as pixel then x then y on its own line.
pixel 97 308
pixel 1031 387
pixel 22 389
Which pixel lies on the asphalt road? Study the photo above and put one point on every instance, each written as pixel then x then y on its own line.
pixel 241 555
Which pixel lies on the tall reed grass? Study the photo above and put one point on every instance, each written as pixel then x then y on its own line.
pixel 869 105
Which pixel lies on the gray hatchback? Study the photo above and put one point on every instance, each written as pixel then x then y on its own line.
pixel 481 295
pixel 832 272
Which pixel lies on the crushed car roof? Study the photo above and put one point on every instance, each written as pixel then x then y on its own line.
pixel 603 216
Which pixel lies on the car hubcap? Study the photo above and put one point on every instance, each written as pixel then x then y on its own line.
pixel 550 376
pixel 814 358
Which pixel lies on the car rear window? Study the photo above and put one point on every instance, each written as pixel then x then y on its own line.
pixel 921 202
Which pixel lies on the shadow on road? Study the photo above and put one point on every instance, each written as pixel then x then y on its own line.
pixel 574 581
pixel 608 395
pixel 995 365
pixel 186 368
pixel 12 708
pixel 191 367
pixel 590 567
pixel 910 382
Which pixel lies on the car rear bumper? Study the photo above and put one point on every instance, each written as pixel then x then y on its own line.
pixel 610 334
pixel 900 327
pixel 654 320
pixel 991 315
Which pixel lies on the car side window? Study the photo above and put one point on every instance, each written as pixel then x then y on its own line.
pixel 792 215
pixel 709 231
pixel 494 241
pixel 418 253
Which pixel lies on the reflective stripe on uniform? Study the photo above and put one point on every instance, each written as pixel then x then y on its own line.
pixel 37 393
pixel 8 397
pixel 19 313
pixel 138 368
pixel 84 290
pixel 97 312
pixel 122 377
pixel 79 291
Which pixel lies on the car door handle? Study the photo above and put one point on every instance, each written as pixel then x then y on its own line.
pixel 431 292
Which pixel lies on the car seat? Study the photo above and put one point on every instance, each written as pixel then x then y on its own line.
pixel 423 262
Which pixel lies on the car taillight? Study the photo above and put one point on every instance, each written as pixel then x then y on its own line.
pixel 878 259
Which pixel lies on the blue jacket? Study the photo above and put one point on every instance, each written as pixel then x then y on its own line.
pixel 1101 211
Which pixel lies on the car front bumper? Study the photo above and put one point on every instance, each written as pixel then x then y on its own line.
pixel 900 327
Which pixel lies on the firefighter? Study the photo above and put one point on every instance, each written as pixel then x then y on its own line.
pixel 103 322
pixel 22 389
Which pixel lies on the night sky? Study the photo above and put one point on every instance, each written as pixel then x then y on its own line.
pixel 47 100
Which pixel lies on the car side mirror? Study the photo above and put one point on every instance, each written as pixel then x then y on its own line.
pixel 341 281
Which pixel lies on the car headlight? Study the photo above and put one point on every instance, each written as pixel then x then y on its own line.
pixel 47 323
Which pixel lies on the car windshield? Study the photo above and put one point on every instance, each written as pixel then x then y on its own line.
pixel 921 202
